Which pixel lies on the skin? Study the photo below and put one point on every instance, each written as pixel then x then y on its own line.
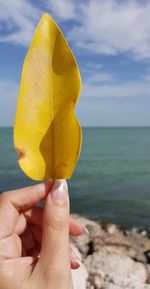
pixel 34 241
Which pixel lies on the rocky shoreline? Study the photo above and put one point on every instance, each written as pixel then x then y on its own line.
pixel 112 257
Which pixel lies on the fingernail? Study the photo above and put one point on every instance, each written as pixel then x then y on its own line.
pixel 59 191
pixel 75 264
pixel 86 231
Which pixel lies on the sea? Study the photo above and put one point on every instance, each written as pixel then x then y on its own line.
pixel 111 181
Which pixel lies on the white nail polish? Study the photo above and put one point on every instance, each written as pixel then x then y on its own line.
pixel 86 231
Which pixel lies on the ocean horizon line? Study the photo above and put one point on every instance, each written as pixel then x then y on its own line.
pixel 113 126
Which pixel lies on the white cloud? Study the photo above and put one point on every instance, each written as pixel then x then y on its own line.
pixel 112 27
pixel 62 9
pixel 102 27
pixel 99 83
pixel 99 77
pixel 137 88
pixel 18 19
pixel 95 73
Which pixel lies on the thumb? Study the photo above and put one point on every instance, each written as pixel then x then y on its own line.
pixel 55 235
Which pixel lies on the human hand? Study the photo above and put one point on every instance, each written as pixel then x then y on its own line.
pixel 27 230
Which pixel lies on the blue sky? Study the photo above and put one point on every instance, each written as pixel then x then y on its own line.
pixel 111 41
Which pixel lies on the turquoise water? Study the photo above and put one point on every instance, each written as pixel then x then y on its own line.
pixel 111 181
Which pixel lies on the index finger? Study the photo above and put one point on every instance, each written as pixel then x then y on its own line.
pixel 14 201
pixel 26 198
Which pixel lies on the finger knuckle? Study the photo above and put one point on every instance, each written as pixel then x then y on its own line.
pixel 59 219
pixel 60 273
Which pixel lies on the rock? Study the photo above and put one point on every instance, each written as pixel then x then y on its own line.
pixel 115 269
pixel 112 286
pixel 147 254
pixel 140 243
pixel 134 231
pixel 111 229
pixel 114 257
pixel 144 233
pixel 114 247
pixel 148 275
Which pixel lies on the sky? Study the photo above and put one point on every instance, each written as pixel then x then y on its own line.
pixel 111 42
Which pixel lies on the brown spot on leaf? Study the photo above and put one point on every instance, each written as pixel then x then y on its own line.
pixel 20 152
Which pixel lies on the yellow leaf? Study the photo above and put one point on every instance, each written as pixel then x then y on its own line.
pixel 47 134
